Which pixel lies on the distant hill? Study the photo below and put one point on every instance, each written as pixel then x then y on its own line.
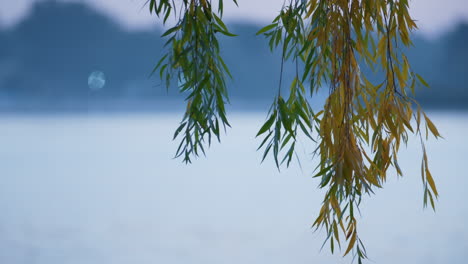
pixel 49 56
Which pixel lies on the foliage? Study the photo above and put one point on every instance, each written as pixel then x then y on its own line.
pixel 362 124
pixel 194 59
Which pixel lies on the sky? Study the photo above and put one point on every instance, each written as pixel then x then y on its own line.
pixel 434 16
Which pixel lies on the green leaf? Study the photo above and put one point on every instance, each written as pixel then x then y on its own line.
pixel 422 80
pixel 323 171
pixel 226 33
pixel 267 28
pixel 170 31
pixel 267 124
pixel 220 22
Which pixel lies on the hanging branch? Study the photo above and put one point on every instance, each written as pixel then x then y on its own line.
pixel 194 59
pixel 361 125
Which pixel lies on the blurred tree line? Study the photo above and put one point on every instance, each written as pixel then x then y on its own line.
pixel 49 55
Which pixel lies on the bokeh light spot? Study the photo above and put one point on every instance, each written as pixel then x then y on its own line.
pixel 96 80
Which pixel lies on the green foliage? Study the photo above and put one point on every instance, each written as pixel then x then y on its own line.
pixel 193 58
pixel 361 126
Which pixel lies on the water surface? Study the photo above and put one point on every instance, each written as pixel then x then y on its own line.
pixel 104 189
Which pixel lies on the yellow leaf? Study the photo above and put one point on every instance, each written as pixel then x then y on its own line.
pixel 352 241
pixel 431 182
pixel 431 126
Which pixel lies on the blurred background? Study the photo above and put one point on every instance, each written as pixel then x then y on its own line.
pixel 86 167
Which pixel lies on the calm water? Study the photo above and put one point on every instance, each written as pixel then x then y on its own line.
pixel 105 190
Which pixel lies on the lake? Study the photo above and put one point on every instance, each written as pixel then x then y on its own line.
pixel 104 189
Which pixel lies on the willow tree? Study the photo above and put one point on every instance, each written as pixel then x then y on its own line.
pixel 362 123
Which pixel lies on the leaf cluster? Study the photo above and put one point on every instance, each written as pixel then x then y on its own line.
pixel 362 124
pixel 194 59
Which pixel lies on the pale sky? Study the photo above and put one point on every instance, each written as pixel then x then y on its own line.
pixel 434 16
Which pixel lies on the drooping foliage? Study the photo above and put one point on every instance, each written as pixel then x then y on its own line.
pixel 193 58
pixel 362 123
